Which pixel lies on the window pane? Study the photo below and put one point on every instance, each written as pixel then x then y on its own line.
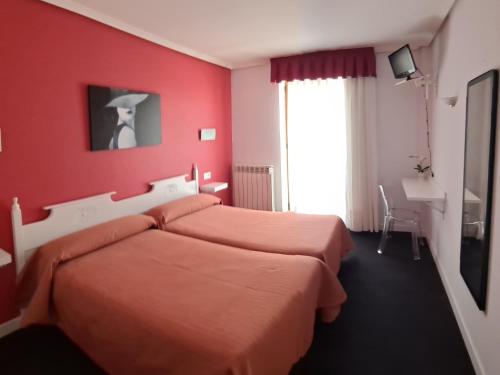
pixel 317 146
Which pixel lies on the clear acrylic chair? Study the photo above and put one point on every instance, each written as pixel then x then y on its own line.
pixel 403 216
pixel 472 225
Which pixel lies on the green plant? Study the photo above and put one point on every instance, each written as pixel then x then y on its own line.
pixel 421 169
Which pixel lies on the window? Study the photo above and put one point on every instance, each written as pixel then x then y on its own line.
pixel 315 146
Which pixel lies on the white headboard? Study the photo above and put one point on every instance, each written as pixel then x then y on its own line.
pixel 69 217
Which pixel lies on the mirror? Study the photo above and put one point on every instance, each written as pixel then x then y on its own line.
pixel 478 183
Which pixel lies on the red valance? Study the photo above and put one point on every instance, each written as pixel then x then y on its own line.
pixel 357 62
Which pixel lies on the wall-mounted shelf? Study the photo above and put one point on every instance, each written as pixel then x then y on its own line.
pixel 425 190
pixel 213 187
pixel 5 258
pixel 471 198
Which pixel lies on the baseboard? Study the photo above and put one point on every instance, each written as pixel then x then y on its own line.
pixel 471 349
pixel 9 326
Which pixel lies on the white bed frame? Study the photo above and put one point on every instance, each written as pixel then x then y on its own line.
pixel 69 217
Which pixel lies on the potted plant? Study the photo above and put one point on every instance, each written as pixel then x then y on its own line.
pixel 422 167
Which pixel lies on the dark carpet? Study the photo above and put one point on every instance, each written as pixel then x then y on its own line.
pixel 397 320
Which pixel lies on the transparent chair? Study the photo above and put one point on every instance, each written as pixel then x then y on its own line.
pixel 403 216
pixel 472 226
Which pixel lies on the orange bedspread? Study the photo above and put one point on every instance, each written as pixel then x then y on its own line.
pixel 159 303
pixel 322 236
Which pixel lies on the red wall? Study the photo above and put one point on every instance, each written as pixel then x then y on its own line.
pixel 48 57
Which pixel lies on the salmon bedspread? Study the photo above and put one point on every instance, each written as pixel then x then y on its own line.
pixel 321 236
pixel 159 303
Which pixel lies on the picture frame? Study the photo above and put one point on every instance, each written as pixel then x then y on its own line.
pixel 122 118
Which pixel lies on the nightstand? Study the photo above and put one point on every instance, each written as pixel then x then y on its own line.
pixel 5 258
pixel 213 187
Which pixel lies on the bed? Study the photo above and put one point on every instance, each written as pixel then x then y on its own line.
pixel 202 216
pixel 139 300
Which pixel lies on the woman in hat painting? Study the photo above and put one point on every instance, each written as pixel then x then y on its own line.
pixel 125 104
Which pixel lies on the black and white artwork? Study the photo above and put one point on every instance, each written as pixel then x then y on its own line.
pixel 122 118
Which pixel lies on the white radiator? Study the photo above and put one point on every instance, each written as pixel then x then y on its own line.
pixel 253 187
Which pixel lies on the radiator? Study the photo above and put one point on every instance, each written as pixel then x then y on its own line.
pixel 253 187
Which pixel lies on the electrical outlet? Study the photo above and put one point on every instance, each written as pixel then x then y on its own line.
pixel 207 175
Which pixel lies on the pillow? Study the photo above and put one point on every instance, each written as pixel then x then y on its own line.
pixel 98 236
pixel 62 249
pixel 180 207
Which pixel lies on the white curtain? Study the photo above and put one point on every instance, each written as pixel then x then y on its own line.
pixel 361 179
pixel 317 146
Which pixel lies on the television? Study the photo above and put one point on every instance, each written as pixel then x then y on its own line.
pixel 402 63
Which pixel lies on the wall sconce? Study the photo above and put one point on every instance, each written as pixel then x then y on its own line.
pixel 450 101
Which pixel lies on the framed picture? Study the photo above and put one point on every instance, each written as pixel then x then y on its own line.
pixel 121 118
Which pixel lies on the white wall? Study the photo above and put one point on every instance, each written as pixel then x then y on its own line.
pixel 467 45
pixel 256 124
pixel 401 129
pixel 256 121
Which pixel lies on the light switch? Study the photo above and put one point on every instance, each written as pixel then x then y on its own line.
pixel 207 134
pixel 207 175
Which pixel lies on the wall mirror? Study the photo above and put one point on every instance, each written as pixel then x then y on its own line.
pixel 480 129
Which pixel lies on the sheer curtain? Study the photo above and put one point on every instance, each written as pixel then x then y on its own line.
pixel 361 180
pixel 317 146
pixel 331 121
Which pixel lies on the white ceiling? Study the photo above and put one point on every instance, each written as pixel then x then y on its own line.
pixel 241 33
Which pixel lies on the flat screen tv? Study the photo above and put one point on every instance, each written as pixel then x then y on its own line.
pixel 402 63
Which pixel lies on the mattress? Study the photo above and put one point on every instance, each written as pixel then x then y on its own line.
pixel 160 303
pixel 324 237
